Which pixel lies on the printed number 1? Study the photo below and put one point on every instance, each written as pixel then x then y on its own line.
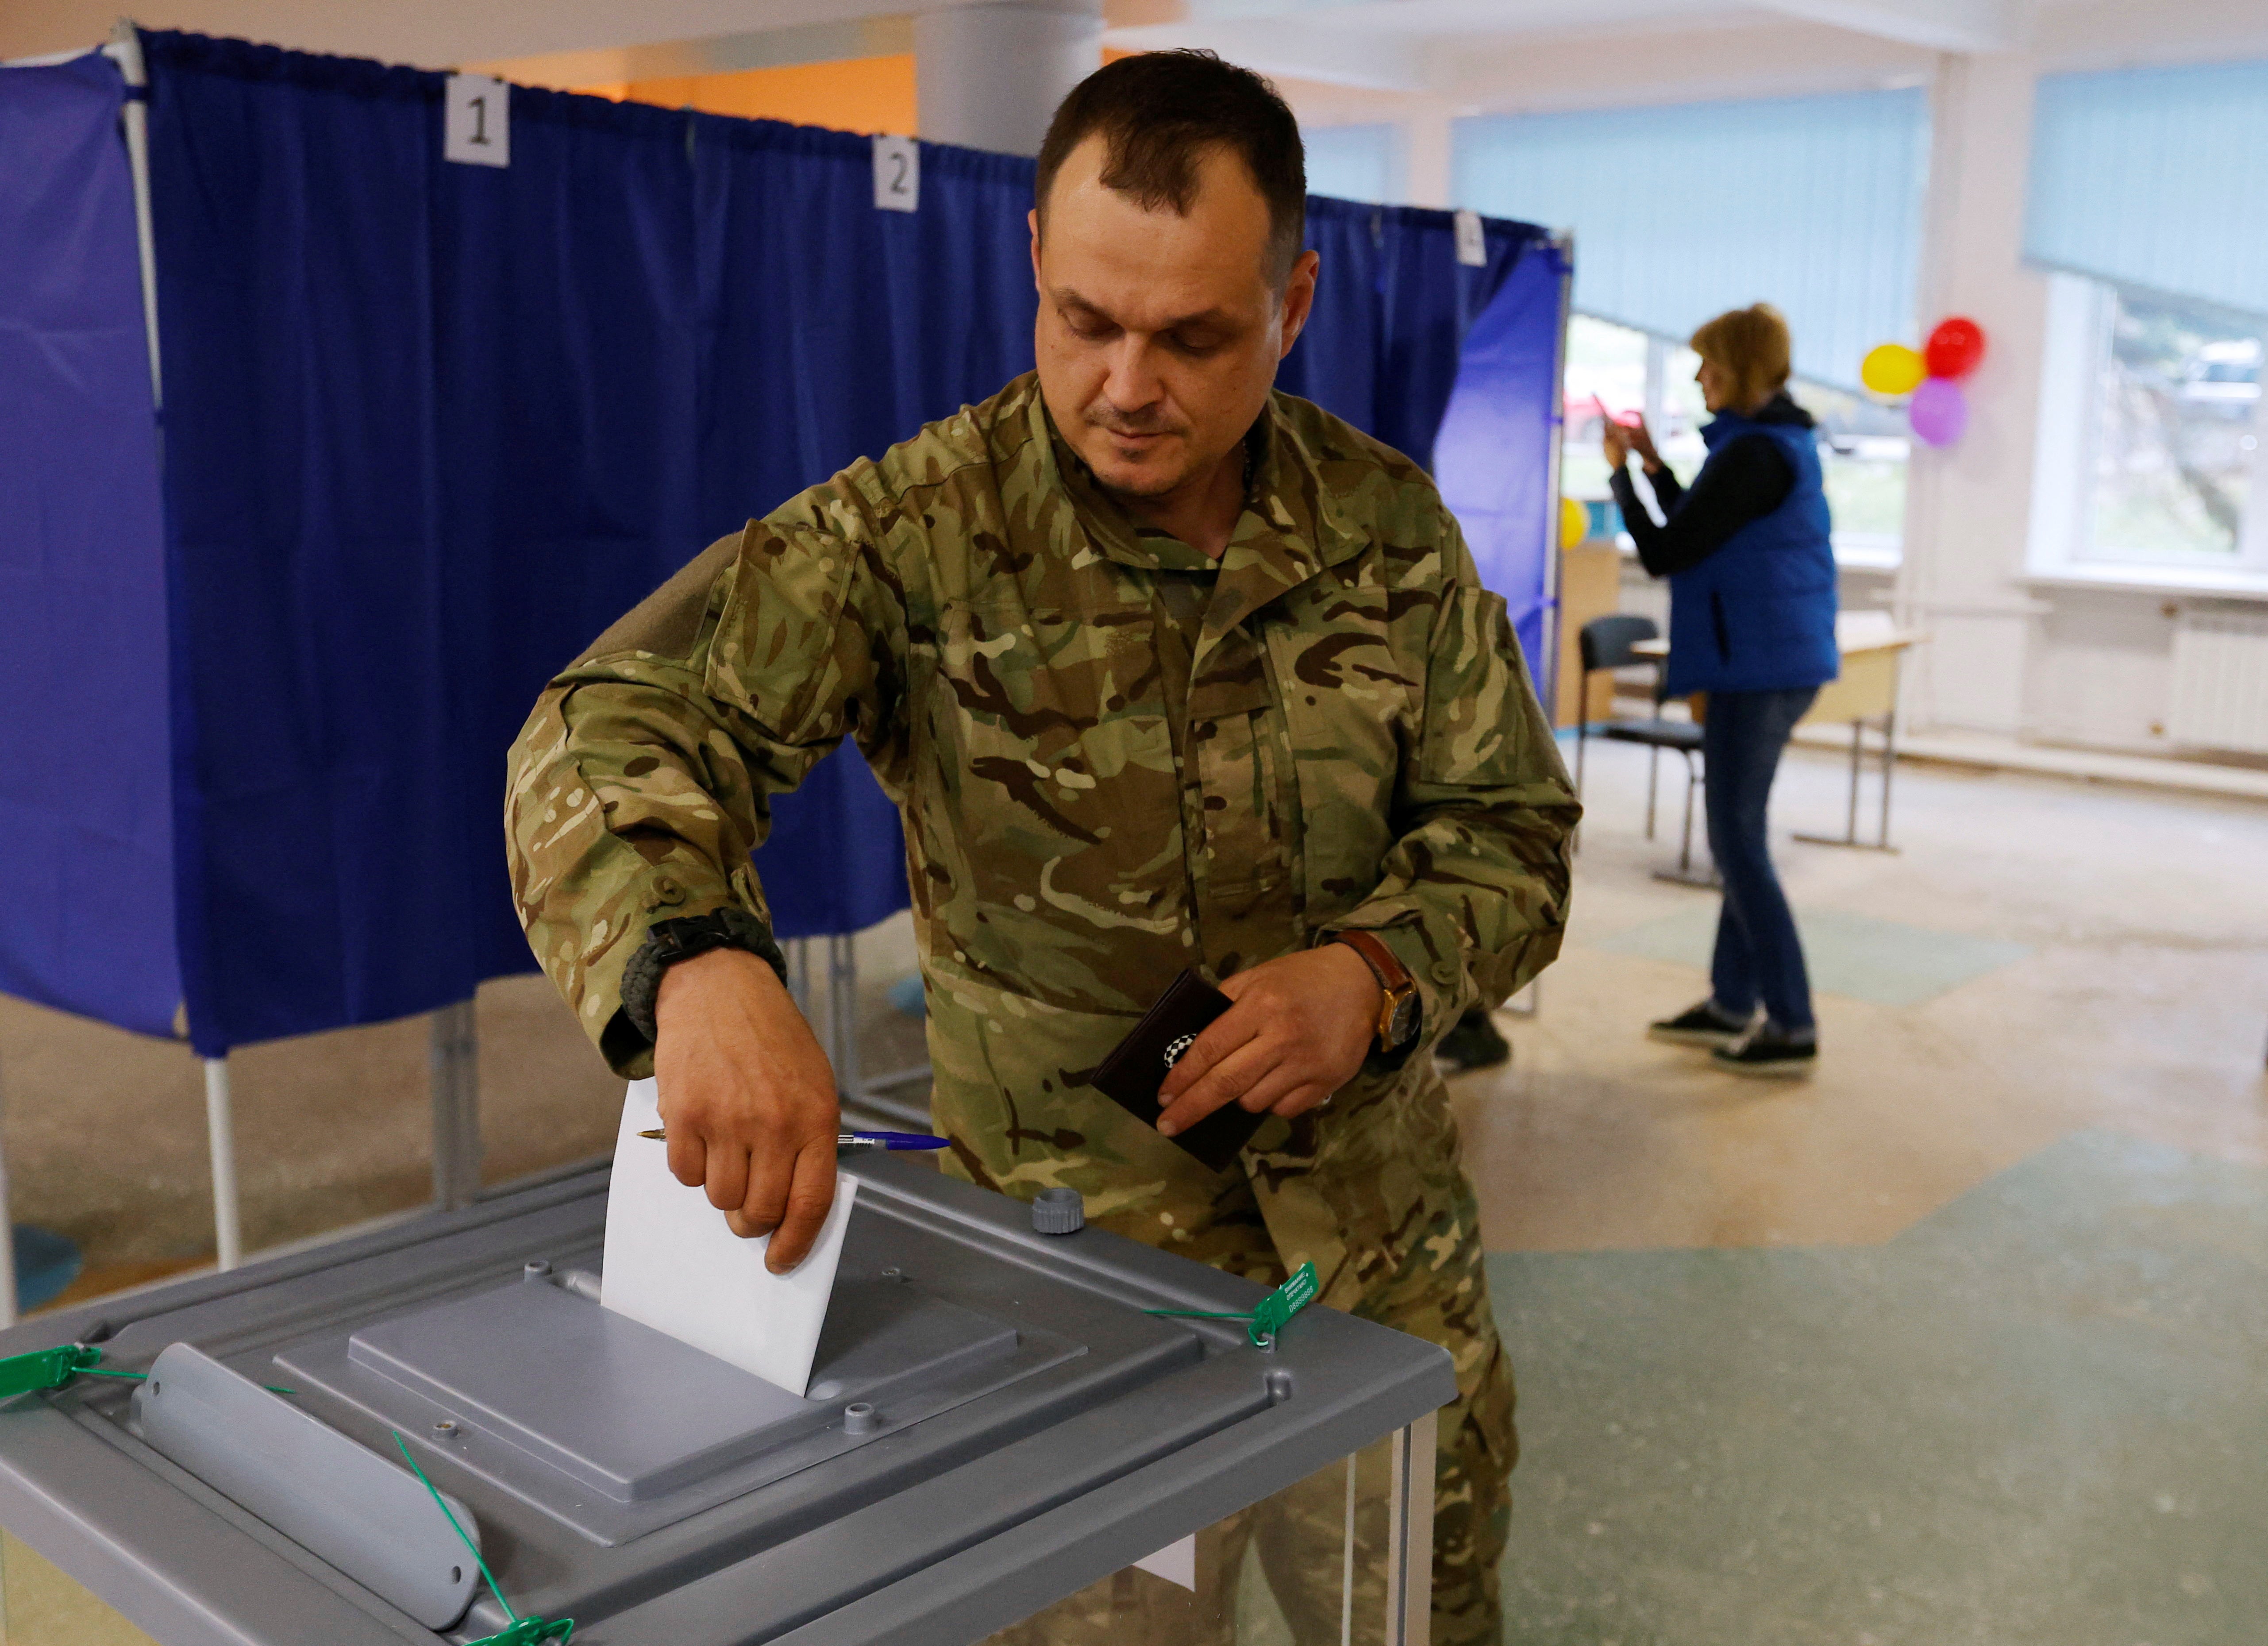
pixel 480 120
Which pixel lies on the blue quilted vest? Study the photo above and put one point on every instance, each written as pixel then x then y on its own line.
pixel 1759 614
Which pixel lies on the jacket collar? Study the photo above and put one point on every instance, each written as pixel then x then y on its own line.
pixel 1292 527
pixel 1780 411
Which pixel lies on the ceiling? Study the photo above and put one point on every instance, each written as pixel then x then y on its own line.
pixel 1472 54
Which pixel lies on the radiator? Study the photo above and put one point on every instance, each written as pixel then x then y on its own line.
pixel 2220 682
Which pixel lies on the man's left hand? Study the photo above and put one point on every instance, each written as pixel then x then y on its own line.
pixel 1298 1030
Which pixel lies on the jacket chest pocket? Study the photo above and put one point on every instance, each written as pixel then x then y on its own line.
pixel 1237 763
pixel 1350 708
pixel 1052 814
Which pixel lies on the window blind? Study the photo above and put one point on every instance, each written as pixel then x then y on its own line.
pixel 2155 178
pixel 1811 204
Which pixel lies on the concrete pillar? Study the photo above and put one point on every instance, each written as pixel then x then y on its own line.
pixel 1968 507
pixel 989 77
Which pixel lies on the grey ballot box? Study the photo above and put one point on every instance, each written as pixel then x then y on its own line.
pixel 999 1440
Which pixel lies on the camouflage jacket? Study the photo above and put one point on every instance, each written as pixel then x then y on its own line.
pixel 1094 797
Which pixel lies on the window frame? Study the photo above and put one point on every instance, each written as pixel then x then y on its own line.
pixel 2076 341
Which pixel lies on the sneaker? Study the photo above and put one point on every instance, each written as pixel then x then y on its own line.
pixel 1702 1025
pixel 1474 1043
pixel 1764 1051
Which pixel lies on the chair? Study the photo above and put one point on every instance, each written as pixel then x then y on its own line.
pixel 1605 643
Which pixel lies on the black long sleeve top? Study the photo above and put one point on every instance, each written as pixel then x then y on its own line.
pixel 1746 479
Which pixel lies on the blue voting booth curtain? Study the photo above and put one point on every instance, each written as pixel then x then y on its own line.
pixel 1393 305
pixel 1492 457
pixel 430 427
pixel 86 853
pixel 835 331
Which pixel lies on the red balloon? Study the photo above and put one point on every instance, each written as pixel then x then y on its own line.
pixel 1955 348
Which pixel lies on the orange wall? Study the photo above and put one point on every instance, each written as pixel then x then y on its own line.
pixel 865 94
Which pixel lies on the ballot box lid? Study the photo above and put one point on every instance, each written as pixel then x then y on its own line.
pixel 996 1418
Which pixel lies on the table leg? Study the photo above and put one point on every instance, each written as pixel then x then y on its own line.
pixel 1889 766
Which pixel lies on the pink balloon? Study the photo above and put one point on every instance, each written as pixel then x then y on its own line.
pixel 1938 411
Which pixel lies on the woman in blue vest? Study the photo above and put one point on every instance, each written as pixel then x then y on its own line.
pixel 1752 631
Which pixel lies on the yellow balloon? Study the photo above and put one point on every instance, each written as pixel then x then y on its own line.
pixel 1891 368
pixel 1574 522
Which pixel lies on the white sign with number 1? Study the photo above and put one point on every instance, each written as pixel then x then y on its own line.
pixel 897 175
pixel 477 120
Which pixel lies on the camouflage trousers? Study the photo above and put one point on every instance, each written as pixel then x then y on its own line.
pixel 1295 1542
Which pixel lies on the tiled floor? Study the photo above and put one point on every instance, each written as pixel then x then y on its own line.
pixel 1960 1341
pixel 2034 1419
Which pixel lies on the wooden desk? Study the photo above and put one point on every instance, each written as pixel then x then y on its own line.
pixel 1866 692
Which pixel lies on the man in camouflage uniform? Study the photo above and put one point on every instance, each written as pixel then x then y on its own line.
pixel 1165 670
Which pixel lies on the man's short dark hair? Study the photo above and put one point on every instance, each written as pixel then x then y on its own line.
pixel 1159 112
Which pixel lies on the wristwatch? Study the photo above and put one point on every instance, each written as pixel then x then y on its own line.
pixel 1397 1013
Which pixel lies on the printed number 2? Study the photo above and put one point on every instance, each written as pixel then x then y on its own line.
pixel 897 175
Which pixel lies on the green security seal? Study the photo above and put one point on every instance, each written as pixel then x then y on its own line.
pixel 1275 1310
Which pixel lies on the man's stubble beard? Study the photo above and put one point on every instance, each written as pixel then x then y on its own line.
pixel 1150 486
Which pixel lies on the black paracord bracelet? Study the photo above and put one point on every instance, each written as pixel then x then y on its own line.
pixel 669 942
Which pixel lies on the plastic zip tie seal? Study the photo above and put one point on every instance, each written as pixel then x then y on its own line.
pixel 519 1631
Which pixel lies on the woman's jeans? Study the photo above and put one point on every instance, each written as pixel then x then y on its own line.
pixel 1758 955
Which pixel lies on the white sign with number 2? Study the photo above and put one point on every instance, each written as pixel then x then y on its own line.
pixel 897 175
pixel 1472 244
pixel 477 120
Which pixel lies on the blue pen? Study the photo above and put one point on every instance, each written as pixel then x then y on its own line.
pixel 892 1140
pixel 856 1142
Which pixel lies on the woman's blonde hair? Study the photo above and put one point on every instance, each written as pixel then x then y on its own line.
pixel 1750 346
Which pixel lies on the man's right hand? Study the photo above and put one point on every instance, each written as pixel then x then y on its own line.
pixel 747 1098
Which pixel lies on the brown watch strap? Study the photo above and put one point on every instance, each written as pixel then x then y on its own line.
pixel 1392 975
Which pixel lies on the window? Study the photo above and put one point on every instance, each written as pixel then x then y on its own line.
pixel 1863 445
pixel 1681 212
pixel 2150 432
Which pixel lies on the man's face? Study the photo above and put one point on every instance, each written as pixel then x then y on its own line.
pixel 1158 335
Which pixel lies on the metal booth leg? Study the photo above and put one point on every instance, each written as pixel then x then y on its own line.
pixel 220 1136
pixel 843 1012
pixel 8 1303
pixel 456 1082
pixel 799 974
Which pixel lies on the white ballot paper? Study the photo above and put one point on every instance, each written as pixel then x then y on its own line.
pixel 672 1265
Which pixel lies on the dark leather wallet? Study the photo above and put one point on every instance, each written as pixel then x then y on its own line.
pixel 1137 1065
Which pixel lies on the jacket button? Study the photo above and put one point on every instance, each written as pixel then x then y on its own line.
pixel 666 893
pixel 1445 972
